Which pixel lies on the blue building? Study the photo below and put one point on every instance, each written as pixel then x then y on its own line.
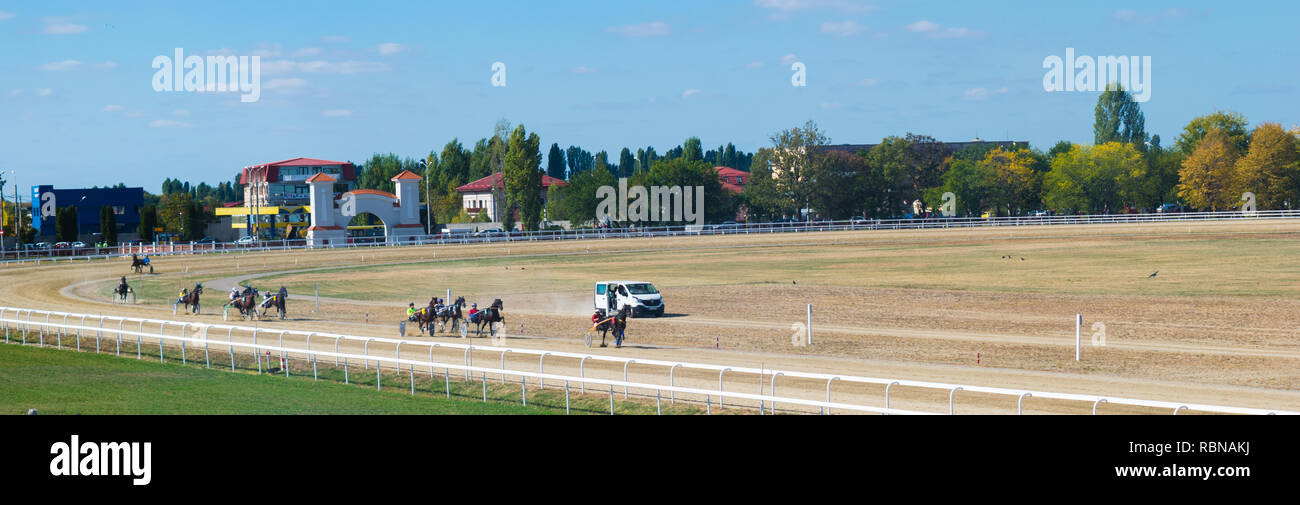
pixel 126 203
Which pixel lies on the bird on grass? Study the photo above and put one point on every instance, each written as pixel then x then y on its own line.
pixel 1153 274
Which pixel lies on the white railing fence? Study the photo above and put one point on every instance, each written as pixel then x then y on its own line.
pixel 50 324
pixel 30 256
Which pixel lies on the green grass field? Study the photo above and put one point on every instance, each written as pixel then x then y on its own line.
pixel 64 381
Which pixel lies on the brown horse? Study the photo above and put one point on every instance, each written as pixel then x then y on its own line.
pixel 247 304
pixel 425 319
pixel 191 299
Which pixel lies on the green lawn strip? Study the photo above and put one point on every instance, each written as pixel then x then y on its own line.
pixel 69 382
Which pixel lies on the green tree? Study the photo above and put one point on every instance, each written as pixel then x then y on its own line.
pixel 65 224
pixel 602 163
pixel 579 200
pixel 799 162
pixel 1119 118
pixel 1232 124
pixel 692 149
pixel 626 163
pixel 523 177
pixel 762 195
pixel 148 221
pixel 1095 179
pixel 108 225
pixel 555 162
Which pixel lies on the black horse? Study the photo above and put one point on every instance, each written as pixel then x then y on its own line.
pixel 122 289
pixel 138 264
pixel 489 316
pixel 191 299
pixel 616 324
pixel 276 300
pixel 451 313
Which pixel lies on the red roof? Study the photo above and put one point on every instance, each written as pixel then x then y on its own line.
pixel 272 170
pixel 494 181
pixel 406 175
pixel 373 192
pixel 322 177
pixel 728 177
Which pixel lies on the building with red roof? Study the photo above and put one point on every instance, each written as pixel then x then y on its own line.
pixel 285 182
pixel 488 194
pixel 732 180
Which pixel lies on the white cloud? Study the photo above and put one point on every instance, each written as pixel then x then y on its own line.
pixel 583 69
pixel 922 26
pixel 61 65
pixel 113 108
pixel 64 29
pixel 391 48
pixel 842 29
pixel 323 67
pixel 830 105
pixel 799 5
pixel 6 16
pixel 789 59
pixel 690 93
pixel 181 113
pixel 935 31
pixel 754 64
pixel 107 65
pixel 288 85
pixel 169 123
pixel 976 94
pixel 651 29
pixel 306 51
pixel 337 113
pixel 44 91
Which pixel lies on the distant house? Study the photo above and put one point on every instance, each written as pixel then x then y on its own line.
pixel 732 180
pixel 488 194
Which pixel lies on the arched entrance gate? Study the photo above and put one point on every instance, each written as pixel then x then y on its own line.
pixel 330 215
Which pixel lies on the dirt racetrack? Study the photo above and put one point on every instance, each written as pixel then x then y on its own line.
pixel 988 307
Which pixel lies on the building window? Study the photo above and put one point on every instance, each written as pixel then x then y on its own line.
pixel 119 210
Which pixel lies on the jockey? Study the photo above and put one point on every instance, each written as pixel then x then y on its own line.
pixel 234 293
pixel 438 305
pixel 180 298
pixel 473 313
pixel 411 310
pixel 597 317
pixel 121 286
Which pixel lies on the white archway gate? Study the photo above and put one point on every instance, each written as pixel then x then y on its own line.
pixel 400 211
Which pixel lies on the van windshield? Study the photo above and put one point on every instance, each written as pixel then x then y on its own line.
pixel 642 289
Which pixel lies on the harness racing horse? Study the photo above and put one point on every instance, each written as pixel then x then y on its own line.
pixel 616 324
pixel 121 291
pixel 138 264
pixel 424 318
pixel 246 303
pixel 451 313
pixel 191 299
pixel 489 316
pixel 275 300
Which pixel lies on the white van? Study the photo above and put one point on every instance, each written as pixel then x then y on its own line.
pixel 642 297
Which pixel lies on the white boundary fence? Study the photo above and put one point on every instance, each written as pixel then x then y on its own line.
pixel 37 257
pixel 20 319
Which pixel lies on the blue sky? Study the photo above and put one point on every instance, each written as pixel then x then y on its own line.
pixel 343 80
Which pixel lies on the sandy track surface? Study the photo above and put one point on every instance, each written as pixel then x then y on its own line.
pixel 1030 350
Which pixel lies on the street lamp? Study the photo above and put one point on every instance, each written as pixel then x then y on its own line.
pixel 428 208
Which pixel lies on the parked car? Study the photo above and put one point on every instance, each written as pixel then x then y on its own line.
pixel 247 240
pixel 1040 213
pixel 206 240
pixel 41 245
pixel 727 225
pixel 61 245
pixel 490 232
pixel 79 245
pixel 1170 208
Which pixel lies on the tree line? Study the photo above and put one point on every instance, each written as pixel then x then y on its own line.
pixel 1215 159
